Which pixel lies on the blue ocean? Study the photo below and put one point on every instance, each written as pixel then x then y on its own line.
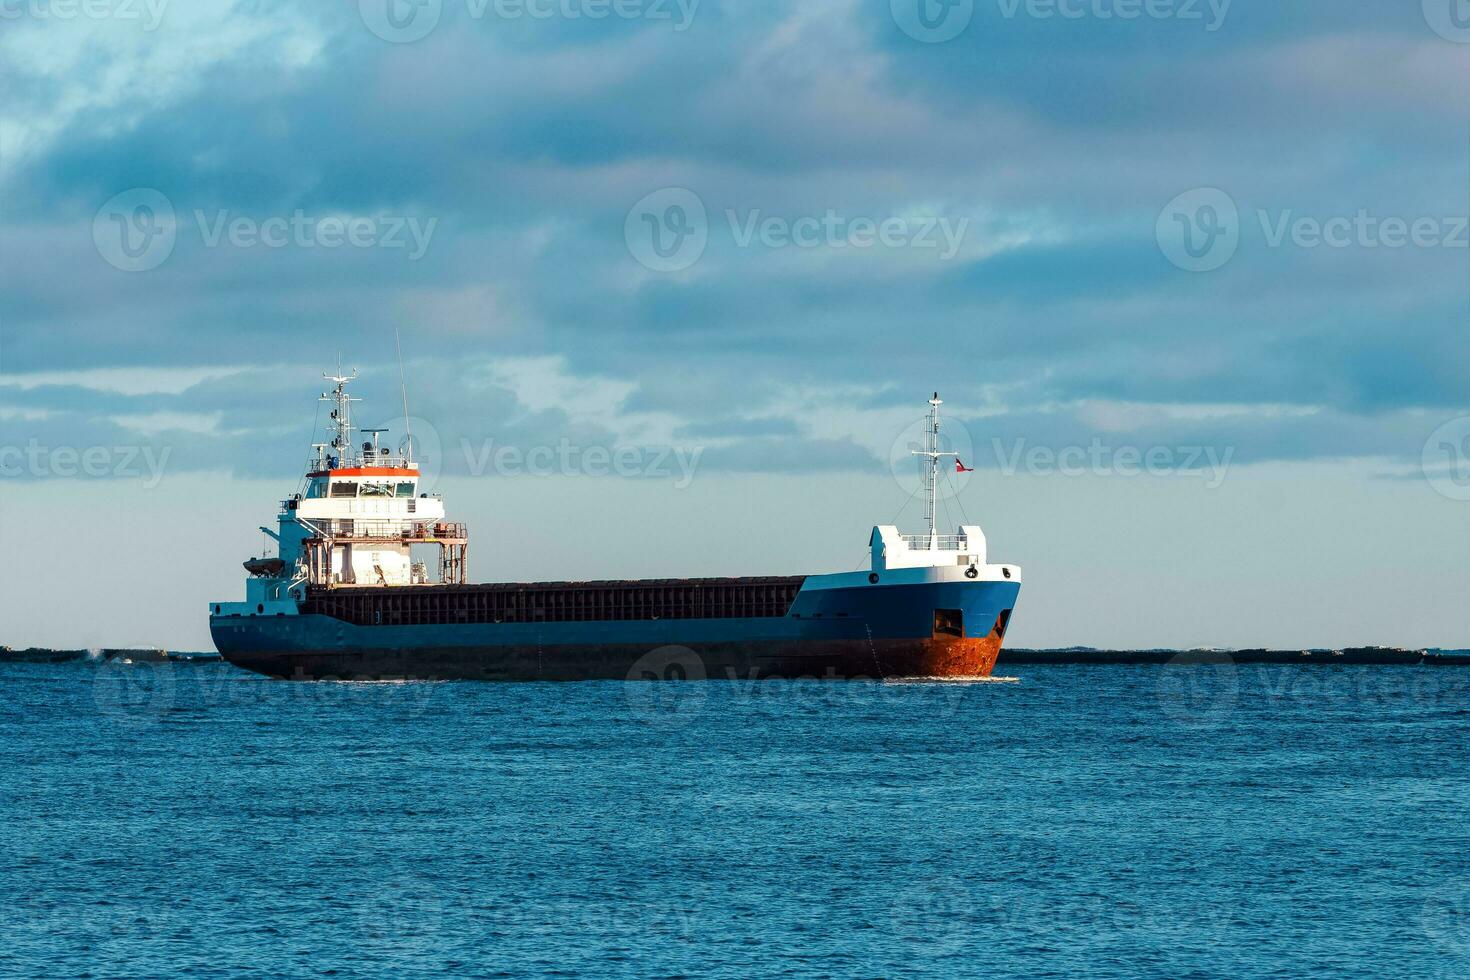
pixel 1215 821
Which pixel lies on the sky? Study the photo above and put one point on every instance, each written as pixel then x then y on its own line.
pixel 674 280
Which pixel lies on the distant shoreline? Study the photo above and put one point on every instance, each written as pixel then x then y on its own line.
pixel 47 655
pixel 1087 656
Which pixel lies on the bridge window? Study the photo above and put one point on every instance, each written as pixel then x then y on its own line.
pixel 377 490
pixel 405 489
pixel 344 489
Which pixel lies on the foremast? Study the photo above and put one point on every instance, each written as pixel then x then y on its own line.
pixel 932 455
pixel 893 549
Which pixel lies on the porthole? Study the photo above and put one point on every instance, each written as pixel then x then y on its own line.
pixel 260 607
pixel 873 578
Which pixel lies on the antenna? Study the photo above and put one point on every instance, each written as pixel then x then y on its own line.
pixel 403 384
pixel 932 456
pixel 341 414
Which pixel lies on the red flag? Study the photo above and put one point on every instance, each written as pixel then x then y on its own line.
pixel 960 467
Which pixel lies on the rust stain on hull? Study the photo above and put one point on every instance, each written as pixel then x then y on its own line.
pixel 940 657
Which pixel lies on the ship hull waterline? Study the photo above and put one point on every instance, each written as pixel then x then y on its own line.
pixel 748 660
pixel 882 633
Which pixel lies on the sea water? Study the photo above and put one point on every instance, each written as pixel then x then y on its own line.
pixel 1214 821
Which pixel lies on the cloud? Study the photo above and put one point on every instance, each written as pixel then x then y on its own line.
pixel 525 142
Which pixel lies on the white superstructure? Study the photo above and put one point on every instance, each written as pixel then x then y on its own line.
pixel 356 522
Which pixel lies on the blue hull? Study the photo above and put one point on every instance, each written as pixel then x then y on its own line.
pixel 939 629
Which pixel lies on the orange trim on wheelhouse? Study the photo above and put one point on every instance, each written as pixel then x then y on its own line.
pixel 367 471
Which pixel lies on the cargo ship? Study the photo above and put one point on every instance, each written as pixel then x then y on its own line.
pixel 345 598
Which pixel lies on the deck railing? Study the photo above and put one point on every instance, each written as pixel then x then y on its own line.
pixel 357 460
pixel 347 530
pixel 942 542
